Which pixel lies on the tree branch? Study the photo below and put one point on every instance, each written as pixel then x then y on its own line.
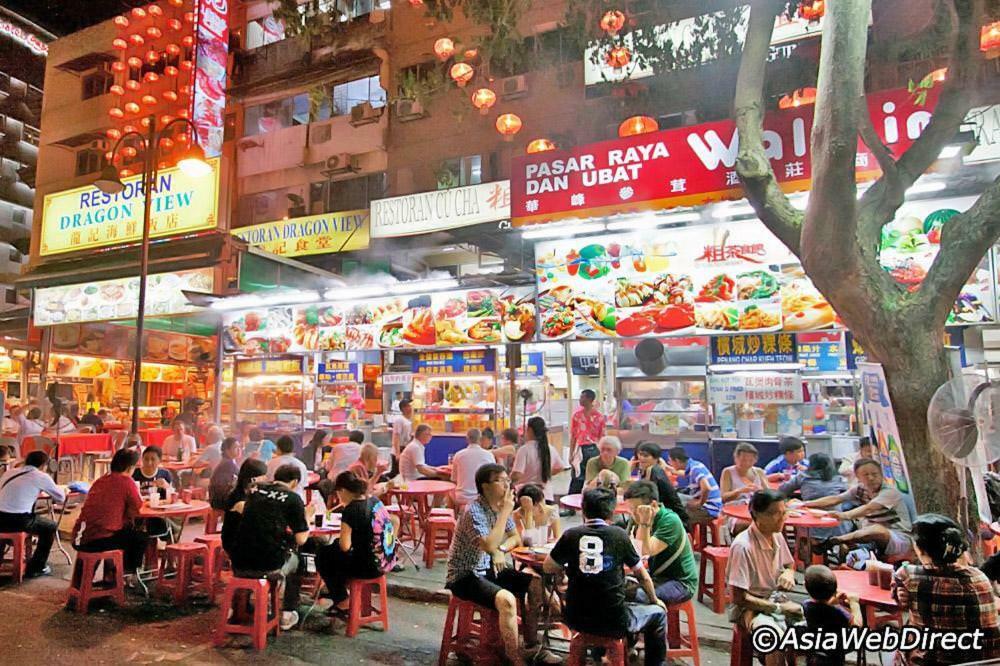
pixel 752 165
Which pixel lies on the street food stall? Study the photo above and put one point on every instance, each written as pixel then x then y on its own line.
pixel 275 394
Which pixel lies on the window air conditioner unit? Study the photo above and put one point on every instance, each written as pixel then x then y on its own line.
pixel 680 119
pixel 409 109
pixel 363 114
pixel 513 87
pixel 342 163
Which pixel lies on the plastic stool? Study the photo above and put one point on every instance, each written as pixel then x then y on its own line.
pixel 407 521
pixel 615 650
pixel 465 634
pixel 215 559
pixel 686 646
pixel 151 560
pixel 82 588
pixel 441 511
pixel 266 600
pixel 212 521
pixel 717 590
pixel 362 611
pixel 20 552
pixel 707 534
pixel 440 530
pixel 179 558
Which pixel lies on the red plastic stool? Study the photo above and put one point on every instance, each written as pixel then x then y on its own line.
pixel 685 646
pixel 440 530
pixel 179 559
pixel 362 611
pixel 441 511
pixel 82 588
pixel 707 534
pixel 615 650
pixel 477 638
pixel 407 521
pixel 20 546
pixel 213 520
pixel 151 560
pixel 215 560
pixel 716 591
pixel 266 601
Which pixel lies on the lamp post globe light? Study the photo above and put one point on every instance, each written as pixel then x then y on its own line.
pixel 192 163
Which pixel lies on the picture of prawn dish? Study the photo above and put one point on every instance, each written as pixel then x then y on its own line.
pixel 630 294
pixel 756 285
pixel 719 288
pixel 359 337
pixel 755 318
pixel 804 309
pixel 558 323
pixel 673 289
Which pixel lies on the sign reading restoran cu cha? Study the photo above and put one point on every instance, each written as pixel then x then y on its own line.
pixel 85 217
pixel 441 209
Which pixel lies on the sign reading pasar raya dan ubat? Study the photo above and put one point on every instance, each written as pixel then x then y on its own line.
pixel 689 166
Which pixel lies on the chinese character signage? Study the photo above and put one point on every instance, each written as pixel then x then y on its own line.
pixel 749 349
pixel 689 166
pixel 532 365
pixel 821 352
pixel 270 366
pixel 336 371
pixel 783 388
pixel 732 277
pixel 316 234
pixel 119 298
pixel 455 362
pixel 208 103
pixel 441 209
pixel 85 217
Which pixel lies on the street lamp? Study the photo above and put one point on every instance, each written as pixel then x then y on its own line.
pixel 192 163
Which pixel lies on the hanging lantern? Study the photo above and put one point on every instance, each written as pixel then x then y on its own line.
pixel 167 143
pixel 132 84
pixel 800 97
pixel 812 11
pixel 152 55
pixel 132 107
pixel 461 73
pixel 173 24
pixel 136 39
pixel 117 90
pixel 540 146
pixel 135 62
pixel 619 57
pixel 187 64
pixel 483 99
pixel 939 75
pixel 154 10
pixel 113 133
pixel 144 122
pixel 138 13
pixel 170 95
pixel 612 22
pixel 189 17
pixel 173 49
pixel 170 70
pixel 130 128
pixel 166 118
pixel 444 48
pixel 149 100
pixel 989 36
pixel 116 112
pixel 153 32
pixel 177 3
pixel 151 77
pixel 508 125
pixel 183 113
pixel 121 21
pixel 118 66
pixel 119 44
pixel 129 151
pixel 188 41
pixel 637 125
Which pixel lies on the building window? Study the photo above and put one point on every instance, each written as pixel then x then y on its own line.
pixel 350 194
pixel 89 160
pixel 348 95
pixel 264 31
pixel 462 171
pixel 320 103
pixel 96 84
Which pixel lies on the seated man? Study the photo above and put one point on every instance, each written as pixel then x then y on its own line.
pixel 704 499
pixel 664 542
pixel 92 419
pixel 273 526
pixel 761 569
pixel 179 445
pixel 608 459
pixel 595 555
pixel 106 521
pixel 465 465
pixel 224 476
pixel 286 449
pixel 19 488
pixel 790 461
pixel 412 464
pixel 149 475
pixel 478 569
pixel 885 516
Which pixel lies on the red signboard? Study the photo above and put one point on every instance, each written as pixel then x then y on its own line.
pixel 690 166
pixel 209 100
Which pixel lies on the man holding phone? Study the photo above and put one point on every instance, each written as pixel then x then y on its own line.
pixel 479 569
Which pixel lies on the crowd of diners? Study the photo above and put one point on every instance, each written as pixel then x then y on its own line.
pixel 629 559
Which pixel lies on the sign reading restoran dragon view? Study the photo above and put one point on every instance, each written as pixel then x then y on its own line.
pixel 85 217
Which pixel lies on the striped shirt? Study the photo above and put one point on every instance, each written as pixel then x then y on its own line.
pixel 694 472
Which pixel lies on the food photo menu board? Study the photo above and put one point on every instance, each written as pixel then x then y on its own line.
pixel 419 321
pixel 734 277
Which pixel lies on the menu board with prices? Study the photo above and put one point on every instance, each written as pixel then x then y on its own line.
pixel 270 366
pixel 752 349
pixel 755 387
pixel 821 352
pixel 336 371
pixel 532 365
pixel 455 362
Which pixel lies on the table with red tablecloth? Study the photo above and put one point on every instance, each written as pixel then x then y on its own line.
pixel 154 436
pixel 73 444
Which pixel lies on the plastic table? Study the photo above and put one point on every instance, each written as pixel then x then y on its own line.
pixel 798 518
pixel 870 597
pixel 418 494
pixel 154 436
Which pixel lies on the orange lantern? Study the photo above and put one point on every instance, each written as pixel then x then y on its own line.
pixel 149 100
pixel 139 13
pixel 508 125
pixel 483 99
pixel 121 21
pixel 183 113
pixel 132 84
pixel 129 151
pixel 170 70
pixel 166 118
pixel 154 10
pixel 173 49
pixel 136 39
pixel 154 32
pixel 170 95
pixel 113 133
pixel 812 11
pixel 167 142
pixel 119 44
pixel 117 90
pixel 188 40
pixel 462 73
pixel 540 146
pixel 637 125
pixel 151 77
pixel 145 121
pixel 801 97
pixel 989 36
pixel 612 22
pixel 135 62
pixel 444 48
pixel 173 24
pixel 177 3
pixel 132 107
pixel 152 55
pixel 119 66
pixel 619 57
pixel 130 128
pixel 189 17
pixel 115 112
pixel 187 64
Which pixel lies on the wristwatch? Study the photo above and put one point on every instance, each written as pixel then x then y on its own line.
pixel 503 548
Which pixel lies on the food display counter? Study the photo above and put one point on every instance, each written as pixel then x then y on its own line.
pixel 664 410
pixel 340 395
pixel 275 394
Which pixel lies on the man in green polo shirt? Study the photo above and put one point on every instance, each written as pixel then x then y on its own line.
pixel 661 534
pixel 609 449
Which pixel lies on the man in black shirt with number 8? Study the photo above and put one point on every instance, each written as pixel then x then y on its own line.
pixel 594 556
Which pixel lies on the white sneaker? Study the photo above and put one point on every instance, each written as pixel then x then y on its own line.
pixel 289 619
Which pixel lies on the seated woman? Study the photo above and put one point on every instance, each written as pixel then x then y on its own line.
pixel 367 544
pixel 944 592
pixel 252 472
pixel 536 521
pixel 741 480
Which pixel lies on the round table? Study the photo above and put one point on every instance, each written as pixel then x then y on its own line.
pixel 192 508
pixel 798 518
pixel 531 556
pixel 870 597
pixel 417 493
pixel 181 465
pixel 575 502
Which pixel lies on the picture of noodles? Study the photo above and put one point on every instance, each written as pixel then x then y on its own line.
pixel 804 309
pixel 754 318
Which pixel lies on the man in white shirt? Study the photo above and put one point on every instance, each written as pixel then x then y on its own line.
pixel 212 454
pixel 402 427
pixel 344 455
pixel 465 465
pixel 29 426
pixel 19 489
pixel 179 443
pixel 412 465
pixel 286 449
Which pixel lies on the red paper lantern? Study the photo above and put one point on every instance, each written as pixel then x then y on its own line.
pixel 132 107
pixel 444 48
pixel 129 151
pixel 113 133
pixel 637 125
pixel 989 36
pixel 151 77
pixel 116 112
pixel 135 62
pixel 483 99
pixel 183 113
pixel 167 142
pixel 170 95
pixel 174 24
pixel 119 44
pixel 132 84
pixel 152 55
pixel 149 100
pixel 165 118
pixel 153 32
pixel 121 21
pixel 619 57
pixel 118 66
pixel 130 128
pixel 117 90
pixel 145 121
pixel 173 49
pixel 136 39
pixel 187 64
pixel 189 17
pixel 177 3
pixel 170 70
pixel 154 10
pixel 612 22
pixel 462 73
pixel 188 41
pixel 508 125
pixel 540 146
pixel 138 13
pixel 812 11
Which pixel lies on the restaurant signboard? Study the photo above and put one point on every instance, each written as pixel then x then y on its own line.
pixel 208 103
pixel 438 210
pixel 743 387
pixel 690 166
pixel 86 218
pixel 316 234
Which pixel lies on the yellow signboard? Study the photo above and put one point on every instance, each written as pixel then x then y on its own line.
pixel 85 217
pixel 316 234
